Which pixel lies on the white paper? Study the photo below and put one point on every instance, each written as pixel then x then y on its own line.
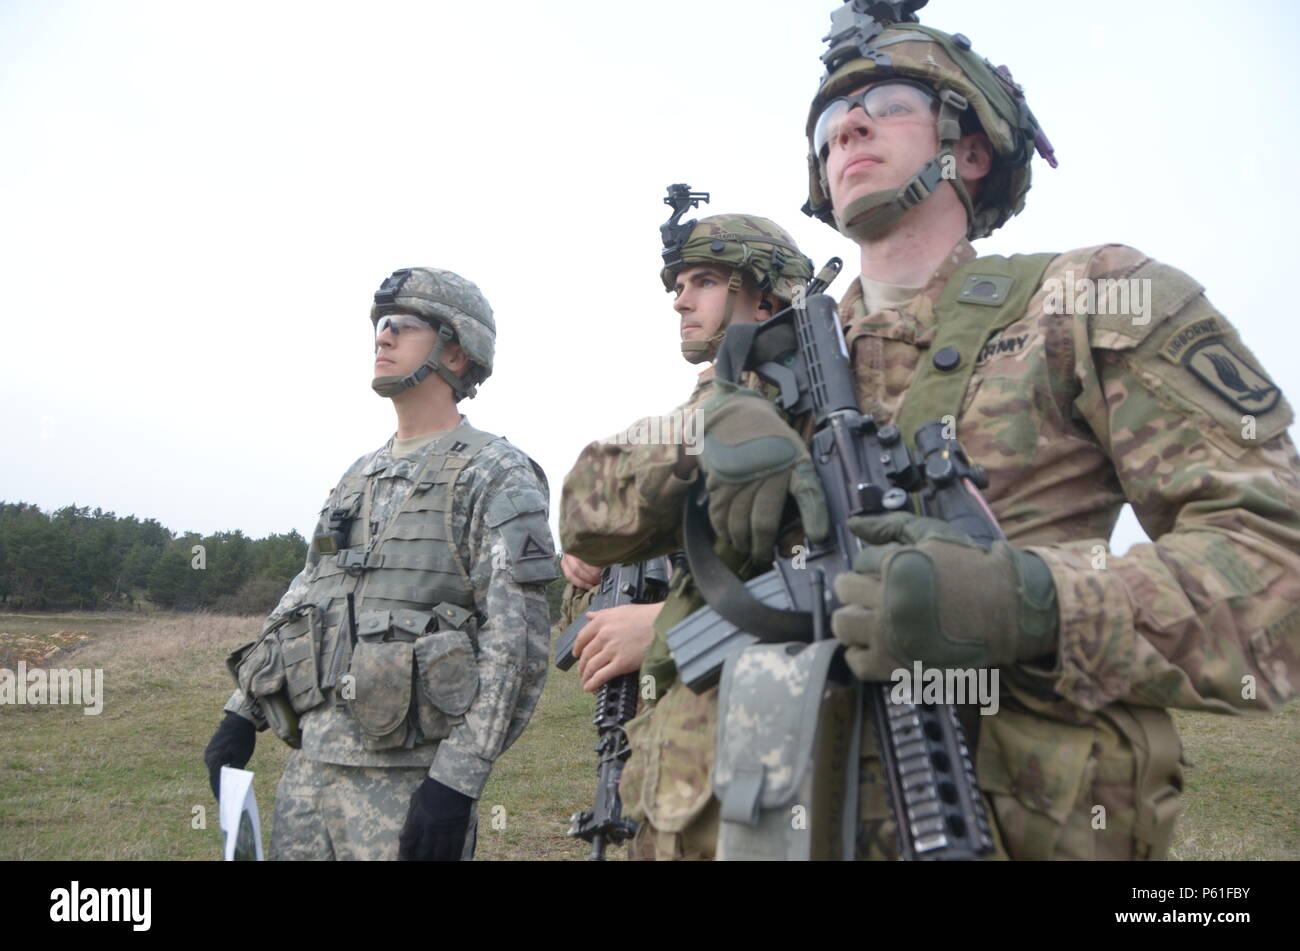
pixel 238 802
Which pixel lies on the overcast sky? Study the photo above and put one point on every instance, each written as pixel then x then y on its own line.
pixel 199 200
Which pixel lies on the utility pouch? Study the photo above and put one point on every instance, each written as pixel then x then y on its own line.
pixel 788 748
pixel 258 669
pixel 446 672
pixel 300 638
pixel 383 671
pixel 382 674
pixel 1158 775
pixel 1038 775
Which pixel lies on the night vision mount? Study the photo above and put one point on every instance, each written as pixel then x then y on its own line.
pixel 680 198
pixel 858 22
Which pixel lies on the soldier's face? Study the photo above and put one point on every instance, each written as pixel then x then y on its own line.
pixel 702 301
pixel 397 354
pixel 864 155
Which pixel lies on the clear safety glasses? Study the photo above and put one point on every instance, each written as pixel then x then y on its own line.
pixel 893 102
pixel 398 323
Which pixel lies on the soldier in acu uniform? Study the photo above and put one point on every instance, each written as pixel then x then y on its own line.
pixel 917 147
pixel 411 650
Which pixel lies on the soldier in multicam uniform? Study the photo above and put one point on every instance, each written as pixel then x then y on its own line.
pixel 723 269
pixel 410 651
pixel 1071 408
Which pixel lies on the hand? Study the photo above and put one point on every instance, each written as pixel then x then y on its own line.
pixel 752 460
pixel 231 745
pixel 614 642
pixel 436 824
pixel 578 573
pixel 922 590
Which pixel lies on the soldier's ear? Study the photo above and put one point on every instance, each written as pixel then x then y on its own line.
pixel 453 357
pixel 766 307
pixel 974 155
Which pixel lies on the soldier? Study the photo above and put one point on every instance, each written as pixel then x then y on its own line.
pixel 1073 406
pixel 723 269
pixel 410 651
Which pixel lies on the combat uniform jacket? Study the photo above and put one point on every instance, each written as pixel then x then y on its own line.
pixel 1072 414
pixel 446 526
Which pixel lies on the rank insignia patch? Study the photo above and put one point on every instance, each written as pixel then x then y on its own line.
pixel 1243 386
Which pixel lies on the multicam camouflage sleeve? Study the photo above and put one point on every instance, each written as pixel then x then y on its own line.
pixel 573 603
pixel 511 557
pixel 622 503
pixel 1208 617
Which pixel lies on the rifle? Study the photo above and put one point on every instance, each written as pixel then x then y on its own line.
pixel 864 469
pixel 643 583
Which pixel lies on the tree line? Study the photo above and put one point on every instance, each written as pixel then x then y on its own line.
pixel 89 559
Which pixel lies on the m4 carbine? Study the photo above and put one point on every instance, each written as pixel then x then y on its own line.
pixel 603 823
pixel 864 469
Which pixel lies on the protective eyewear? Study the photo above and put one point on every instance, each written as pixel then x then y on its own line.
pixel 895 102
pixel 398 323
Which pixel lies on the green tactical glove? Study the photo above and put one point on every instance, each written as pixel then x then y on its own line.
pixel 926 591
pixel 752 460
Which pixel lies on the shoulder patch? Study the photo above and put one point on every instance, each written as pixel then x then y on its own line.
pixel 1199 361
pixel 1230 375
pixel 526 544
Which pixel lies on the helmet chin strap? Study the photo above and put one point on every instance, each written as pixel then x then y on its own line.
pixel 872 215
pixel 390 386
pixel 701 351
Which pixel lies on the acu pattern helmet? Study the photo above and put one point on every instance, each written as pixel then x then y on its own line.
pixel 874 41
pixel 742 244
pixel 453 305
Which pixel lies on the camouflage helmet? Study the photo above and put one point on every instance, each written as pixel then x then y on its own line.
pixel 756 246
pixel 448 301
pixel 872 41
pixel 742 244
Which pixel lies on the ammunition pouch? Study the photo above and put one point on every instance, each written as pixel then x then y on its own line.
pixel 278 671
pixel 299 637
pixel 1105 790
pixel 667 782
pixel 405 678
pixel 788 748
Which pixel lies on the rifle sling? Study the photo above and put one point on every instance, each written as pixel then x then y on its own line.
pixel 725 592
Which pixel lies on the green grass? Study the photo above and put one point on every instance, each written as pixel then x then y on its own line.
pixel 125 784
pixel 1240 796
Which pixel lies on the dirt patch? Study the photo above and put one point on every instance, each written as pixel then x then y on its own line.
pixel 39 650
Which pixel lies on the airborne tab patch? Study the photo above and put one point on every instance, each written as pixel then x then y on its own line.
pixel 1178 342
pixel 1219 368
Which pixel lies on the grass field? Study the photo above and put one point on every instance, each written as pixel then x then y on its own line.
pixel 130 783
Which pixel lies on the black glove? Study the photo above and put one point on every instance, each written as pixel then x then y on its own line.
pixel 231 745
pixel 436 825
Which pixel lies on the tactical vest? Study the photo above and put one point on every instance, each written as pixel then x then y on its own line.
pixel 410 661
